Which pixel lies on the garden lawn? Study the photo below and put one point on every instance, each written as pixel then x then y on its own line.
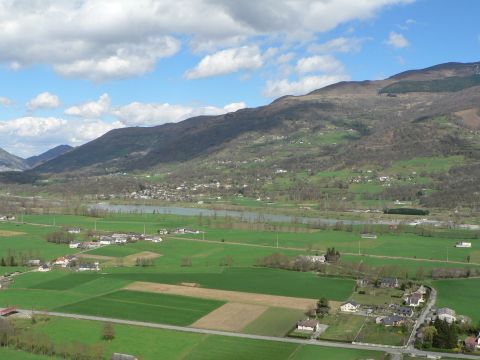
pixel 147 307
pixel 341 327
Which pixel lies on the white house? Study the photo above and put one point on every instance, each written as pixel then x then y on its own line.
pixel 74 245
pixel 350 306
pixel 44 268
pixel 308 325
pixel 62 261
pixel 447 315
pixel 155 239
pixel 463 244
pixel 314 258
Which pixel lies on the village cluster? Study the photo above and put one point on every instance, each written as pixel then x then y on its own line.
pixel 74 262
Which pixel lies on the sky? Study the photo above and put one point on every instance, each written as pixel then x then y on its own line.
pixel 71 70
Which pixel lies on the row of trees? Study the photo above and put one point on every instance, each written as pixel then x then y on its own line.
pixel 60 237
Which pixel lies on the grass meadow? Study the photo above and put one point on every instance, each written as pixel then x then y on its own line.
pixel 274 322
pixel 179 345
pixel 462 295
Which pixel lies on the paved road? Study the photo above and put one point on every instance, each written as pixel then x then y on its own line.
pixel 421 319
pixel 250 336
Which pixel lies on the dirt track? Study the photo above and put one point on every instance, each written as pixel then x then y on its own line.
pixel 10 233
pixel 230 317
pixel 230 296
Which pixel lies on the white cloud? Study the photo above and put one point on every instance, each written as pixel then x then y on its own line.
pixel 397 40
pixel 151 114
pixel 285 58
pixel 302 86
pixel 227 61
pixel 109 39
pixel 44 100
pixel 324 63
pixel 340 44
pixel 4 101
pixel 28 136
pixel 92 109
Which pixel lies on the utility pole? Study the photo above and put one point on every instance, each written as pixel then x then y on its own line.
pixel 54 222
pixel 447 254
pixel 95 224
pixel 277 240
pixel 144 229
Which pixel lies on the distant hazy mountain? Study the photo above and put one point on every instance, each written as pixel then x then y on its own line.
pixel 9 162
pixel 34 161
pixel 377 122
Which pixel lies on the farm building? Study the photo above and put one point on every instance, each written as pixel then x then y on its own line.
pixel 350 306
pixel 463 244
pixel 74 245
pixel 117 356
pixel 33 262
pixel 154 239
pixel 74 230
pixel 89 267
pixel 389 282
pixel 447 315
pixel 368 236
pixel 308 325
pixel 313 258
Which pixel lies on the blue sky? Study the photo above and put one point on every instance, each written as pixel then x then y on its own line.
pixel 70 71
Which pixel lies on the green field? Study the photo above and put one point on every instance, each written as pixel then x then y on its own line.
pixel 10 354
pixel 341 327
pixel 460 295
pixel 147 307
pixel 182 345
pixel 274 322
pixel 373 333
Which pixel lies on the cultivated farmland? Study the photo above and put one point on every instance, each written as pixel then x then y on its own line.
pixel 148 307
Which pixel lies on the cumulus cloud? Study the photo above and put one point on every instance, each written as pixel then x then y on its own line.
pixel 397 40
pixel 110 39
pixel 92 109
pixel 44 100
pixel 4 101
pixel 340 44
pixel 151 114
pixel 301 86
pixel 30 135
pixel 324 63
pixel 227 61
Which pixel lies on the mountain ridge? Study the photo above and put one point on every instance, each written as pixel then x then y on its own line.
pixel 356 103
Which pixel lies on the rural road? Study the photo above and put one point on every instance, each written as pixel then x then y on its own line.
pixel 251 336
pixel 421 319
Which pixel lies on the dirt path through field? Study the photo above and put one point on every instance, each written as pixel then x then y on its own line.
pixel 230 296
pixel 230 317
pixel 95 257
pixel 4 233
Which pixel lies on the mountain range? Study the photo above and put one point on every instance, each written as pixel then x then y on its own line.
pixel 9 162
pixel 351 126
pixel 394 116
